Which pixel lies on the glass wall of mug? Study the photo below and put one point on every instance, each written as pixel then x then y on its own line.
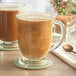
pixel 35 38
pixel 8 25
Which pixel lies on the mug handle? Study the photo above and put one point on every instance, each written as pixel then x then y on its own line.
pixel 61 25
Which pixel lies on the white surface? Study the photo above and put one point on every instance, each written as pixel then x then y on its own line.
pixel 68 57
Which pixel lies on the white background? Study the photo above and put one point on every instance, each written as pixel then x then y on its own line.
pixel 36 5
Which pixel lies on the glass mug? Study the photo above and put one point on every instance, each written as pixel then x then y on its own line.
pixel 8 25
pixel 35 31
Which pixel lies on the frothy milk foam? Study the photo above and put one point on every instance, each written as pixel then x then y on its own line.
pixel 10 6
pixel 35 17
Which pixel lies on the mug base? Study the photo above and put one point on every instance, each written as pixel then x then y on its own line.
pixel 34 65
pixel 9 45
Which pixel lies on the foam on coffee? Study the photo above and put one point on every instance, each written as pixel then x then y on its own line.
pixel 33 16
pixel 10 6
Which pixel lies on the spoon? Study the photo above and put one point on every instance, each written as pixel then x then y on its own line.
pixel 68 48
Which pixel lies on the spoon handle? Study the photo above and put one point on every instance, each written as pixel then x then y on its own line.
pixel 74 52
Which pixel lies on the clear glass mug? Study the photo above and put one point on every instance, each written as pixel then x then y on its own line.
pixel 35 35
pixel 8 25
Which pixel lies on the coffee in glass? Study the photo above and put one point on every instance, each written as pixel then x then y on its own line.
pixel 35 39
pixel 8 25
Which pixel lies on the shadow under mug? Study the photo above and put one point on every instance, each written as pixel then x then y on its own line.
pixel 8 25
pixel 35 35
